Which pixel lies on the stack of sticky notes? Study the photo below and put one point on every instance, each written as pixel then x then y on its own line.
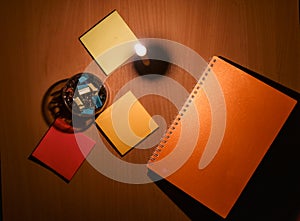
pixel 110 42
pixel 126 123
pixel 63 152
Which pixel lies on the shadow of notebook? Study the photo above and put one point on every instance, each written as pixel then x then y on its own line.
pixel 273 191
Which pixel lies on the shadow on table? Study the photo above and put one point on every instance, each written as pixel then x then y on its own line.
pixel 158 66
pixel 273 192
pixel 53 107
pixel 37 161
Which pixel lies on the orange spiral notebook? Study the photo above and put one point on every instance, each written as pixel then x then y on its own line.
pixel 221 134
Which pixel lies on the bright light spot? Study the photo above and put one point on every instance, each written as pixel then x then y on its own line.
pixel 140 49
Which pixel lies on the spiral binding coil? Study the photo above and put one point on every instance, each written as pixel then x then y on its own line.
pixel 186 105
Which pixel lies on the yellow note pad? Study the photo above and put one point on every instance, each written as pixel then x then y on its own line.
pixel 110 42
pixel 126 123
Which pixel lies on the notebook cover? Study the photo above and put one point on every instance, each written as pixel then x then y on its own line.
pixel 111 32
pixel 126 123
pixel 60 151
pixel 217 141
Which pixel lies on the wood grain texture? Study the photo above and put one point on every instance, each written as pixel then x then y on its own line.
pixel 40 46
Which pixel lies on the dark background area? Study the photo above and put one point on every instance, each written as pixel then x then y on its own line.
pixel 40 46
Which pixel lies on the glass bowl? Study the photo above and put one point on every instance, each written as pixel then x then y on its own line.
pixel 84 95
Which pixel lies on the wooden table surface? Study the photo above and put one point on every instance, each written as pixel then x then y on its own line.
pixel 40 46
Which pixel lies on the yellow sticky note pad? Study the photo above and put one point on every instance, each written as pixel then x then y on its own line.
pixel 110 42
pixel 126 123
